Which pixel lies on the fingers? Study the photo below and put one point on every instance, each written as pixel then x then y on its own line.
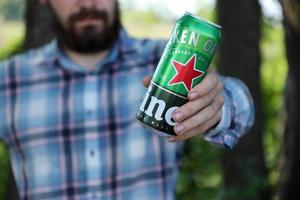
pixel 197 130
pixel 202 111
pixel 208 83
pixel 146 81
pixel 194 106
pixel 208 113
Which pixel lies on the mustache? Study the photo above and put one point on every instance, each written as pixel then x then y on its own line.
pixel 89 13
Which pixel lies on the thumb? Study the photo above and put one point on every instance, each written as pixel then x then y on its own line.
pixel 146 81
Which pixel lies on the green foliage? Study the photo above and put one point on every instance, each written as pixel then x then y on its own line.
pixel 11 48
pixel 12 9
pixel 207 13
pixel 273 76
pixel 11 38
pixel 149 18
pixel 4 163
pixel 199 176
pixel 255 184
pixel 149 25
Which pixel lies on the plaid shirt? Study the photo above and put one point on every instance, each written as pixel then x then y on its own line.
pixel 72 133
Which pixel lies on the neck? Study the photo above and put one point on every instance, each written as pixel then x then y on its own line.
pixel 89 61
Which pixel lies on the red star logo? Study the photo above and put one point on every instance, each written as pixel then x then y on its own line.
pixel 185 73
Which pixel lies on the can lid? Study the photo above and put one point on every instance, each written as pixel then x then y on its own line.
pixel 202 19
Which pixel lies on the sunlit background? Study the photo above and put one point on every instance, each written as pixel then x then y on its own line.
pixel 158 12
pixel 175 8
pixel 155 19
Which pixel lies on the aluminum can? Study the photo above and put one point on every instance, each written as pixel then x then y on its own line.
pixel 184 63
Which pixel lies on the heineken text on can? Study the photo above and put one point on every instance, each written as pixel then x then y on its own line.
pixel 183 65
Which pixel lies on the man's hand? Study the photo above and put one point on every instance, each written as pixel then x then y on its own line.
pixel 201 112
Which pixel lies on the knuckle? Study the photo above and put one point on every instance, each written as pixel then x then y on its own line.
pixel 210 96
pixel 214 78
pixel 206 99
pixel 211 79
pixel 220 86
pixel 220 100
pixel 191 108
pixel 213 82
pixel 191 123
pixel 202 129
pixel 194 122
pixel 210 111
pixel 188 109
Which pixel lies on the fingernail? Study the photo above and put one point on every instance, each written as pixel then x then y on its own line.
pixel 177 115
pixel 192 95
pixel 171 139
pixel 179 129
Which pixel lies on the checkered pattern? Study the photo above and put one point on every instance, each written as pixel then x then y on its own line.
pixel 72 133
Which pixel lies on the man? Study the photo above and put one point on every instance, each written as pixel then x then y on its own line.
pixel 67 111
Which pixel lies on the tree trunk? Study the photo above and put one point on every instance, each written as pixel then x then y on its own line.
pixel 290 175
pixel 245 172
pixel 38 24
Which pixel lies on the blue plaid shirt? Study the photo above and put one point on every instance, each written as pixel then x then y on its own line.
pixel 72 133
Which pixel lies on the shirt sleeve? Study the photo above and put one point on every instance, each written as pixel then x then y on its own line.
pixel 237 114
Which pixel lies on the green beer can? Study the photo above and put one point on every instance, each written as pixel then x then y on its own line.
pixel 183 65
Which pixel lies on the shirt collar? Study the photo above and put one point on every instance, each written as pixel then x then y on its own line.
pixel 123 45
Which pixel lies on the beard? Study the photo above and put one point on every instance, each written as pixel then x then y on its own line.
pixel 91 38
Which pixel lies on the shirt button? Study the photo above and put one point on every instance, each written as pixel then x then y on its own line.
pixel 90 113
pixel 92 153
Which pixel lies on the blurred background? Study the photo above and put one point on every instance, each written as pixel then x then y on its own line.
pixel 260 45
